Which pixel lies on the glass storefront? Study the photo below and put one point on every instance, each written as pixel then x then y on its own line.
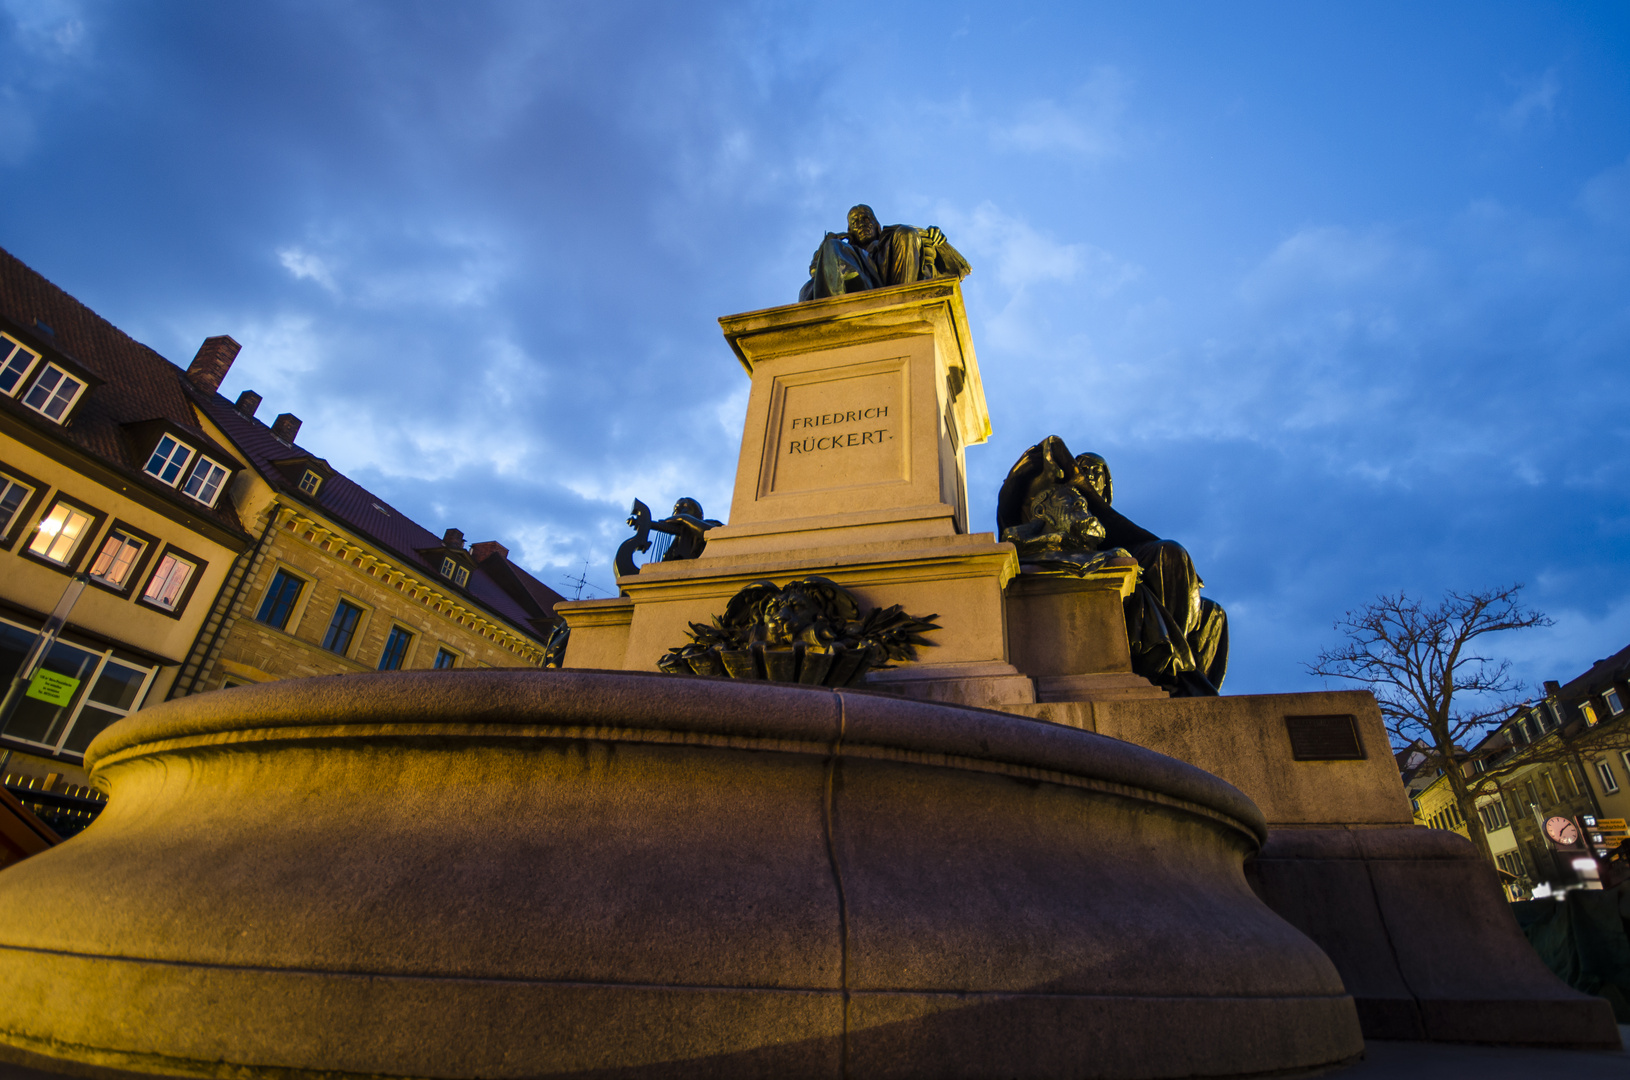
pixel 108 689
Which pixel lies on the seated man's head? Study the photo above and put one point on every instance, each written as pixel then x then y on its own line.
pixel 688 506
pixel 1095 470
pixel 863 226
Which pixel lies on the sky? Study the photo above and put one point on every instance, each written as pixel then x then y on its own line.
pixel 1341 290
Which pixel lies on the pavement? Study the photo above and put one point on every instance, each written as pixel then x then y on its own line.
pixel 1382 1061
pixel 1449 1061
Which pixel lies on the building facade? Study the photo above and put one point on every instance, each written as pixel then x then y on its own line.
pixel 338 581
pixel 105 472
pixel 215 551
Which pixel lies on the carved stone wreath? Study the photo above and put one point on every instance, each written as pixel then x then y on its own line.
pixel 808 631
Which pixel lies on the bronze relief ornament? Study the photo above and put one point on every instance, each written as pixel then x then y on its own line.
pixel 809 631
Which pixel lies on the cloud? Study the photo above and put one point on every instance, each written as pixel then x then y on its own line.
pixel 1534 105
pixel 1605 197
pixel 306 266
pixel 1086 124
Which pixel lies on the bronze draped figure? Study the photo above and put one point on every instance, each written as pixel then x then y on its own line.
pixel 873 256
pixel 1056 509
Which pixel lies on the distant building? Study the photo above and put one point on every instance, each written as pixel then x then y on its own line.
pixel 1563 760
pixel 337 580
pixel 104 469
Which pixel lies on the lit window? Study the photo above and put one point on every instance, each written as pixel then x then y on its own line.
pixel 118 555
pixel 445 658
pixel 53 392
pixel 168 583
pixel 205 482
pixel 280 597
pixel 310 482
pixel 342 627
pixel 1588 712
pixel 13 494
pixel 59 533
pixel 1614 706
pixel 395 649
pixel 15 361
pixel 1610 783
pixel 169 458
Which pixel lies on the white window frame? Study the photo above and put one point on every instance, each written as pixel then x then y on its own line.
pixel 54 394
pixel 8 484
pixel 161 582
pixel 1614 705
pixel 167 460
pixel 1604 771
pixel 126 541
pixel 199 463
pixel 78 538
pixel 10 351
pixel 1624 755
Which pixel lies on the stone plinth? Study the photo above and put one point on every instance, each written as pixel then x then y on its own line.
pixel 860 410
pixel 852 468
pixel 520 874
pixel 1069 635
pixel 1413 919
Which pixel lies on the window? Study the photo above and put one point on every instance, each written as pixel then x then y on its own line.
pixel 167 587
pixel 13 495
pixel 1547 789
pixel 1530 731
pixel 1545 719
pixel 1614 706
pixel 395 649
pixel 1493 815
pixel 205 482
pixel 1572 776
pixel 280 597
pixel 1625 756
pixel 169 458
pixel 108 688
pixel 53 393
pixel 342 627
pixel 1533 792
pixel 117 558
pixel 15 361
pixel 1609 783
pixel 1519 735
pixel 1588 712
pixel 310 482
pixel 59 533
pixel 452 571
pixel 1511 863
pixel 446 658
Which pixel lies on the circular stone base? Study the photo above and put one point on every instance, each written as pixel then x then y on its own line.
pixel 526 874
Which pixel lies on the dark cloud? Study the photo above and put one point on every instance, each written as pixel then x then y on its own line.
pixel 1340 293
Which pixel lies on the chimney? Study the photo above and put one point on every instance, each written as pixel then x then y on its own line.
pixel 213 361
pixel 454 539
pixel 486 549
pixel 286 427
pixel 1552 688
pixel 248 402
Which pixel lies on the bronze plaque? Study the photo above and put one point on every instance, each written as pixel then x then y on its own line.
pixel 1324 738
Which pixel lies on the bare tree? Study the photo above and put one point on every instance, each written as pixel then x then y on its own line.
pixel 1430 681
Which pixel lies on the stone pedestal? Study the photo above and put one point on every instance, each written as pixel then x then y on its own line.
pixel 1069 635
pixel 852 468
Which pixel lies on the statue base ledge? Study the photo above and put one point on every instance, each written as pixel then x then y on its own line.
pixel 1099 686
pixel 982 685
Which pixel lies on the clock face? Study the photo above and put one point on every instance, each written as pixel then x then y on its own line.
pixel 1562 831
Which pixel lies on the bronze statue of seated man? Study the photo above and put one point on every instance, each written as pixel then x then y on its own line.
pixel 873 256
pixel 1179 640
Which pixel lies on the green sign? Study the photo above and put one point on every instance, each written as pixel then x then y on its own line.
pixel 50 687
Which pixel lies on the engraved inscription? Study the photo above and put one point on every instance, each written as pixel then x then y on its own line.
pixel 1324 738
pixel 841 430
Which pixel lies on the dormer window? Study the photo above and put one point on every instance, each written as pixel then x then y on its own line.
pixel 310 482
pixel 452 571
pixel 205 482
pixel 16 361
pixel 53 393
pixel 169 458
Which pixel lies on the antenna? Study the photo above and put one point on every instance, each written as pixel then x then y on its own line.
pixel 581 582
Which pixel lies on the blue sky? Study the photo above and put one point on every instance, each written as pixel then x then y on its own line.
pixel 1342 291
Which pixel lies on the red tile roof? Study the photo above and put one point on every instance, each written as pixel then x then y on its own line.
pixel 495 584
pixel 137 383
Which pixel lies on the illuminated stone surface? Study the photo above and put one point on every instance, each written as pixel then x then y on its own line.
pixel 506 873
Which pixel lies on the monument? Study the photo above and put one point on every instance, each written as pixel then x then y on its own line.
pixel 840 788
